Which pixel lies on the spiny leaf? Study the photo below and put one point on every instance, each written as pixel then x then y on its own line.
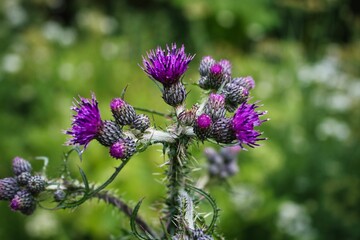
pixel 213 205
pixel 84 178
pixel 133 222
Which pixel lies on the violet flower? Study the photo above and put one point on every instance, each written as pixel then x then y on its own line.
pixel 86 123
pixel 243 123
pixel 167 67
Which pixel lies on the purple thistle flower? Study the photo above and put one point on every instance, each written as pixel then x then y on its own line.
pixel 168 67
pixel 216 69
pixel 86 123
pixel 202 126
pixel 123 149
pixel 243 123
pixel 203 121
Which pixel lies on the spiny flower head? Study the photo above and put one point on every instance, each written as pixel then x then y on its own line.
pixel 216 69
pixel 8 188
pixel 204 121
pixel 123 149
pixel 123 112
pixel 243 123
pixel 215 106
pixel 167 67
pixel 24 202
pixel 86 122
pixel 20 165
pixel 202 126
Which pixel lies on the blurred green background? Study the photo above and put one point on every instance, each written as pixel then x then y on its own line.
pixel 303 183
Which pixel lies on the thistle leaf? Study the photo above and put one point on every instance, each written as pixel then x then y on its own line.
pixel 212 202
pixel 84 178
pixel 133 222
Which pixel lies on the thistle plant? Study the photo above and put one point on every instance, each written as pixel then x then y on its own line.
pixel 223 116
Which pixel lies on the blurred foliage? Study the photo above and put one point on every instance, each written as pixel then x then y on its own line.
pixel 303 183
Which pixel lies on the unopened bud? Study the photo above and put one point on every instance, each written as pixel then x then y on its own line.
pixel 226 66
pixel 24 202
pixel 246 82
pixel 215 106
pixel 23 178
pixel 123 112
pixel 109 133
pixel 202 126
pixel 141 122
pixel 187 117
pixel 20 165
pixel 234 95
pixel 8 188
pixel 59 195
pixel 36 184
pixel 123 149
pixel 205 65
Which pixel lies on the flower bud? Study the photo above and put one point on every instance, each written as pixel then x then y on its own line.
pixel 232 168
pixel 123 149
pixel 109 133
pixel 216 76
pixel 24 202
pixel 141 122
pixel 59 195
pixel 202 126
pixel 198 234
pixel 204 82
pixel 20 165
pixel 187 117
pixel 246 82
pixel 226 66
pixel 174 94
pixel 23 178
pixel 215 106
pixel 123 112
pixel 36 184
pixel 205 65
pixel 234 95
pixel 222 131
pixel 8 188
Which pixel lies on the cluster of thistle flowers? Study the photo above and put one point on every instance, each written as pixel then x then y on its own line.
pixel 208 120
pixel 88 125
pixel 227 94
pixel 23 188
pixel 222 164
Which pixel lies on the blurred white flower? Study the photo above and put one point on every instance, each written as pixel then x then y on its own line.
pixel 11 63
pixel 246 199
pixel 97 22
pixel 54 32
pixel 331 127
pixel 294 221
pixel 42 224
pixel 14 12
pixel 66 71
pixel 225 18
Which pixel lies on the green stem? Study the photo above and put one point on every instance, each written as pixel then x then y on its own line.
pixel 177 180
pixel 92 193
pixel 153 112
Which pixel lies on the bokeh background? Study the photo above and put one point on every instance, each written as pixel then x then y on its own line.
pixel 304 55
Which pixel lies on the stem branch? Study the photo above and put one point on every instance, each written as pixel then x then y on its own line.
pixel 123 207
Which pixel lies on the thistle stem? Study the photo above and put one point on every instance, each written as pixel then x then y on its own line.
pixel 177 180
pixel 153 112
